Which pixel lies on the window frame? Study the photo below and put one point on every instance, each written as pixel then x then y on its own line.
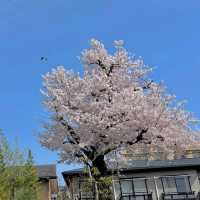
pixel 131 179
pixel 186 178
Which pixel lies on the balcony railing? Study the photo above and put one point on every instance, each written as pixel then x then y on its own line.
pixel 179 196
pixel 87 197
pixel 136 196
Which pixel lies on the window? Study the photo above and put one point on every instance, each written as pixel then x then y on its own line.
pixel 169 184
pixel 126 186
pixel 117 191
pixel 140 186
pixel 152 189
pixel 182 184
pixel 134 189
pixel 173 184
pixel 131 186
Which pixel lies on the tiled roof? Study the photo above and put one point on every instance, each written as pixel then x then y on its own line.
pixel 160 164
pixel 46 171
pixel 138 165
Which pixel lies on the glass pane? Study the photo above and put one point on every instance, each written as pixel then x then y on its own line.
pixel 179 197
pixel 159 186
pixel 182 184
pixel 140 198
pixel 139 185
pixel 132 198
pixel 117 191
pixel 191 196
pixel 167 198
pixel 126 186
pixel 169 184
pixel 125 198
pixel 152 188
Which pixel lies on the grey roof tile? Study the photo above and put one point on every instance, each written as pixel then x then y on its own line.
pixel 46 171
pixel 137 165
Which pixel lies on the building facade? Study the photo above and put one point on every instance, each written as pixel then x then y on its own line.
pixel 146 180
pixel 48 182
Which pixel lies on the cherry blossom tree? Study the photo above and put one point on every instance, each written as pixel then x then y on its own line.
pixel 113 105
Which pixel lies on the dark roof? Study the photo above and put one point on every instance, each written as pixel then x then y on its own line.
pixel 46 171
pixel 161 164
pixel 149 165
pixel 73 172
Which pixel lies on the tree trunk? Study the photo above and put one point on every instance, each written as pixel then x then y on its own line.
pixel 94 176
pixel 100 164
pixel 92 179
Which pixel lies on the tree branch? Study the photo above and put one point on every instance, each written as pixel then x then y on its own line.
pixel 139 138
pixel 75 139
pixel 110 70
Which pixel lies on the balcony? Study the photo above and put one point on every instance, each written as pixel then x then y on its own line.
pixel 137 196
pixel 179 196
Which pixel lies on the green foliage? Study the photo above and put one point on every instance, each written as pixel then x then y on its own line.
pixel 95 172
pixel 18 177
pixel 59 197
pixel 2 177
pixel 103 184
pixel 87 186
pixel 104 188
pixel 29 179
pixel 63 196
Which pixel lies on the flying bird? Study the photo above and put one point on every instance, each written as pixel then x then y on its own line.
pixel 43 58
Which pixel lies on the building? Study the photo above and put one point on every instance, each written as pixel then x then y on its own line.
pixel 48 182
pixel 146 180
pixel 64 193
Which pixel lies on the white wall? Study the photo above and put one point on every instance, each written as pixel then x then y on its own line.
pixel 154 183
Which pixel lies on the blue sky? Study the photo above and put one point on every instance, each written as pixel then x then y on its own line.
pixel 165 33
